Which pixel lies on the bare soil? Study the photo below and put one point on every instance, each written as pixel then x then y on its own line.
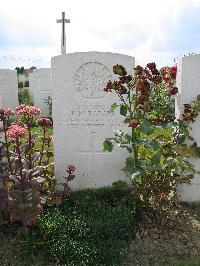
pixel 172 238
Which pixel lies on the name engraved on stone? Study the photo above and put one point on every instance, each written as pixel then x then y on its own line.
pixel 96 115
pixel 91 78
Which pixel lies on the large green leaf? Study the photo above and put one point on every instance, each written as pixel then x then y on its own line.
pixel 123 110
pixel 155 159
pixel 154 144
pixel 130 165
pixel 146 128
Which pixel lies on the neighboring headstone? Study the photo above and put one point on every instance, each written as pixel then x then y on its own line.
pixel 40 88
pixel 8 88
pixel 30 88
pixel 188 77
pixel 82 119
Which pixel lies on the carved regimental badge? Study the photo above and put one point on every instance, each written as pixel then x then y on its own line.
pixel 91 78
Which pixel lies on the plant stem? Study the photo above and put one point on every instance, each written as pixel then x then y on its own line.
pixel 43 145
pixel 30 145
pixel 20 168
pixel 6 142
pixel 135 150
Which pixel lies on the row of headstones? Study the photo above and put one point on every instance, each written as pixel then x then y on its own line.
pixel 39 90
pixel 81 117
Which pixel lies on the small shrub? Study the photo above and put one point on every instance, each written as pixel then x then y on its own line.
pixel 158 154
pixel 91 227
pixel 26 171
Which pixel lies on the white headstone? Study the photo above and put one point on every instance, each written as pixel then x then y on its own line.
pixel 82 119
pixel 188 78
pixel 30 88
pixel 40 88
pixel 8 88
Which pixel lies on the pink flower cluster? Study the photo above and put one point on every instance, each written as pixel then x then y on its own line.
pixel 27 110
pixel 44 122
pixel 5 113
pixel 71 168
pixel 15 131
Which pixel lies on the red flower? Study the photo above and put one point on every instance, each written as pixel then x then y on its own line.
pixel 134 123
pixel 44 122
pixel 187 117
pixel 109 86
pixel 142 85
pixel 71 168
pixel 173 71
pixel 125 79
pixel 151 66
pixel 164 71
pixel 173 91
pixel 15 131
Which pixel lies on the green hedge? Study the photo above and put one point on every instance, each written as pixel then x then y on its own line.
pixel 92 227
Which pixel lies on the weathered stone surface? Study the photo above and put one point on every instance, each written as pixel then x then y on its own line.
pixel 82 119
pixel 188 84
pixel 8 88
pixel 40 88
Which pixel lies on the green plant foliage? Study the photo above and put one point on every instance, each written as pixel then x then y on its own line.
pixel 91 227
pixel 26 166
pixel 48 102
pixel 157 143
pixel 24 97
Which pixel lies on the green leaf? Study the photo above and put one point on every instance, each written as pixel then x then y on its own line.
pixel 181 138
pixel 130 165
pixel 71 177
pixel 155 159
pixel 127 120
pixel 123 110
pixel 154 144
pixel 108 145
pixel 146 128
pixel 113 107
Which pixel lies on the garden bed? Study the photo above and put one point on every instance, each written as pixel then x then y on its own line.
pixel 174 240
pixel 91 227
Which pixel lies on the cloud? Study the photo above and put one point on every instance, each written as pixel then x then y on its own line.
pixel 181 33
pixel 155 30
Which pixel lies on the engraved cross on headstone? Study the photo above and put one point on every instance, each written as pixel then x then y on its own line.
pixel 92 151
pixel 63 36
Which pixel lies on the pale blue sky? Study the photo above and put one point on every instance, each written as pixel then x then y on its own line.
pixel 155 30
